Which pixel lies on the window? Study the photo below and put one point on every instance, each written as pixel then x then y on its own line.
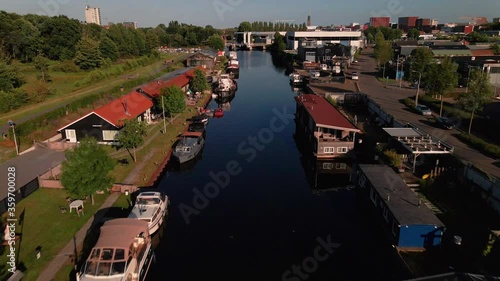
pixel 310 54
pixel 327 166
pixel 373 196
pixel 341 149
pixel 340 166
pixel 395 227
pixel 329 149
pixel 385 213
pixel 109 135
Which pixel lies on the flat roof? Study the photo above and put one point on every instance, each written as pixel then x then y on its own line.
pixel 403 203
pixel 418 142
pixel 324 88
pixel 29 166
pixel 323 113
pixel 320 33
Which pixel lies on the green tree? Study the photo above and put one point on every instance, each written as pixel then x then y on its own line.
pixel 108 48
pixel 132 135
pixel 10 77
pixel 441 78
pixel 215 42
pixel 88 55
pixel 479 93
pixel 279 43
pixel 60 36
pixel 245 26
pixel 413 34
pixel 42 64
pixel 87 169
pixel 383 52
pixel 174 100
pixel 199 82
pixel 420 60
pixel 152 39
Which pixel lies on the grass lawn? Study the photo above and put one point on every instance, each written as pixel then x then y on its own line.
pixel 119 209
pixel 46 227
pixel 64 85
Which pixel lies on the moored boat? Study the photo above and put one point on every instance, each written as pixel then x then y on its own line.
pixel 233 69
pixel 225 85
pixel 296 79
pixel 122 252
pixel 188 146
pixel 150 206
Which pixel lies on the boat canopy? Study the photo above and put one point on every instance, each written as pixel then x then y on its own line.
pixel 119 233
pixel 192 134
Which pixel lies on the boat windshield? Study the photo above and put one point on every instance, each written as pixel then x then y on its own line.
pixel 148 201
pixel 102 262
pixel 183 149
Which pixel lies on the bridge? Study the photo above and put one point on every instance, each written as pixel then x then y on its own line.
pixel 255 39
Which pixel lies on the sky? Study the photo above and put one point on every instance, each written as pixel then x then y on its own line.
pixel 229 13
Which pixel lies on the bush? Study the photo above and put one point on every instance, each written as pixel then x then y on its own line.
pixel 409 102
pixel 481 145
pixel 394 158
pixel 12 99
pixel 66 66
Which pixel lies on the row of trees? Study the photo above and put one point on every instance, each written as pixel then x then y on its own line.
pixel 387 33
pixel 61 38
pixel 270 26
pixel 88 167
pixel 440 77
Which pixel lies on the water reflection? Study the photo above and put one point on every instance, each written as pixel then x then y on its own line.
pixel 323 174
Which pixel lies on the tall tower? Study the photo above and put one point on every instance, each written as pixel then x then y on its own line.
pixel 308 20
pixel 92 15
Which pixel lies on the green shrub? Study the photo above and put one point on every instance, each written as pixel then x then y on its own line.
pixel 66 66
pixel 394 158
pixel 409 102
pixel 481 145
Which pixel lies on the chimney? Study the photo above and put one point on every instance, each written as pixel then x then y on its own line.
pixel 125 106
pixel 309 20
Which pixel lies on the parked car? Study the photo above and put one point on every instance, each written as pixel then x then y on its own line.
pixel 445 123
pixel 355 76
pixel 422 109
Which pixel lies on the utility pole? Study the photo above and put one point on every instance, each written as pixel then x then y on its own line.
pixel 418 87
pixel 164 122
pixel 13 125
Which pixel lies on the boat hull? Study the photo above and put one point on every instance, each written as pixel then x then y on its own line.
pixel 160 218
pixel 183 157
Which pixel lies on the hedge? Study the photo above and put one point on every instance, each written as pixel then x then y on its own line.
pixel 481 145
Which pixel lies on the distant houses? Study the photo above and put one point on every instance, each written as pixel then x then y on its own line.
pixel 105 122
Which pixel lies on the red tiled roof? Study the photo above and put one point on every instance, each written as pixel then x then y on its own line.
pixel 324 113
pixel 114 111
pixel 153 88
pixel 484 52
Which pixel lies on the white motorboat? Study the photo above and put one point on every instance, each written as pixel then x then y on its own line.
pixel 123 252
pixel 296 79
pixel 152 207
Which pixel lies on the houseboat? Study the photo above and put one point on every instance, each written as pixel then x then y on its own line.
pixel 189 145
pixel 233 69
pixel 407 223
pixel 225 86
pixel 232 55
pixel 296 79
pixel 150 207
pixel 122 252
pixel 329 133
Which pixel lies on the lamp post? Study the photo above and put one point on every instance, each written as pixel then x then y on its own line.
pixel 13 125
pixel 418 87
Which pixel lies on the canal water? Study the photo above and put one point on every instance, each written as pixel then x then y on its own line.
pixel 249 207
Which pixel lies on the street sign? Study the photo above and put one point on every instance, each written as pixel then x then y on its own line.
pixel 400 75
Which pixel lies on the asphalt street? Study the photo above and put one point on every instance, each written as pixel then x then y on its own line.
pixel 389 99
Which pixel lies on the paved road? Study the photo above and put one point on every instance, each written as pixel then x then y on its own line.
pixel 4 128
pixel 388 98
